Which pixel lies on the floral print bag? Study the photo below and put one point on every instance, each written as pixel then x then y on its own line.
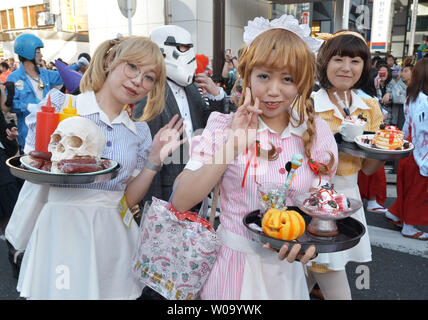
pixel 175 251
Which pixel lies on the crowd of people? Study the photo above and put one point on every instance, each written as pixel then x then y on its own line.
pixel 144 94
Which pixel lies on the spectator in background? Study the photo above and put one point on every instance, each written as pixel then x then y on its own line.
pixel 398 96
pixel 369 87
pixel 395 69
pixel 9 187
pixel 384 87
pixel 423 48
pixel 51 66
pixel 5 72
pixel 229 72
pixel 82 63
pixel 43 64
pixel 31 82
pixel 12 64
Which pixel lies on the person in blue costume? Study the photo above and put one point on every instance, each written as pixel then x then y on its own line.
pixel 31 82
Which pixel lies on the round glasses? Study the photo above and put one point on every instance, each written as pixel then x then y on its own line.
pixel 132 71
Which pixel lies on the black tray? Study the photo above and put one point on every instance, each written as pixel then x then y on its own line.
pixel 17 170
pixel 353 149
pixel 350 233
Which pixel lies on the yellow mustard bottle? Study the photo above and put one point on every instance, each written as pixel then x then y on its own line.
pixel 68 112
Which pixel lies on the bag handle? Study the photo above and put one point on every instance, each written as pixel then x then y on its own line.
pixel 204 206
pixel 214 203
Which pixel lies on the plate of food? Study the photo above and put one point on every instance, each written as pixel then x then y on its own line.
pixel 387 140
pixel 327 204
pixel 349 233
pixel 326 207
pixel 77 166
pixel 23 169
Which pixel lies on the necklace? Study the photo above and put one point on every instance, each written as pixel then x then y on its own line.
pixel 38 80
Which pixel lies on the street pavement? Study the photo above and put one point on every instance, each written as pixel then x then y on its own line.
pixel 398 270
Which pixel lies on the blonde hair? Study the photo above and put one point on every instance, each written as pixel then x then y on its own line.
pixel 291 52
pixel 140 50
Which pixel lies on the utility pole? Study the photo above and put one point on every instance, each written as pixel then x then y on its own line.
pixel 129 7
pixel 218 35
pixel 413 27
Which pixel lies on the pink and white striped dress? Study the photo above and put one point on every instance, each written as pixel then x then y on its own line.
pixel 226 278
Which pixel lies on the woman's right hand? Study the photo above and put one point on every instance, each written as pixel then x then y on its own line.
pixel 244 123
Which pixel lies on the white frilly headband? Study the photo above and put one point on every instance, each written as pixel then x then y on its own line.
pixel 286 22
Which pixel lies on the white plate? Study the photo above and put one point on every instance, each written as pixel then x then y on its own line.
pixel 26 160
pixel 359 140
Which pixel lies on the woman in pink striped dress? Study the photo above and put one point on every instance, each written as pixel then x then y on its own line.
pixel 277 69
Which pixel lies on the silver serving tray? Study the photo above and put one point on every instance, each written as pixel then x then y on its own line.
pixel 19 171
pixel 350 233
pixel 353 149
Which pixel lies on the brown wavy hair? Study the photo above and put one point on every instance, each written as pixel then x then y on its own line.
pixel 291 52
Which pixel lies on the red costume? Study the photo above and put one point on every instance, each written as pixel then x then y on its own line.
pixel 374 185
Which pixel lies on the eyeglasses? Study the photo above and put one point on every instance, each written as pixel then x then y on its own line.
pixel 132 71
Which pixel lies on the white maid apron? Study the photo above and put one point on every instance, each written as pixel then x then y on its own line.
pixel 80 249
pixel 265 276
pixel 31 200
pixel 362 251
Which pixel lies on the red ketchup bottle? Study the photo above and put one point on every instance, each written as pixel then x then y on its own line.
pixel 47 121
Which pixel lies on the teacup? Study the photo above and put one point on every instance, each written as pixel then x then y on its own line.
pixel 349 129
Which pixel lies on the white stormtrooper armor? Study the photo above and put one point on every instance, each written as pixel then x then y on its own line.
pixel 180 66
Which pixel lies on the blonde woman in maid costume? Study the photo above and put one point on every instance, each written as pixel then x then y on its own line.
pixel 275 120
pixel 343 65
pixel 80 248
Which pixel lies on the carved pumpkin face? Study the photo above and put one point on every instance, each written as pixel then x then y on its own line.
pixel 285 225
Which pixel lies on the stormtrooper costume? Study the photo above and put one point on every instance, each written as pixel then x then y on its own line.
pixel 182 97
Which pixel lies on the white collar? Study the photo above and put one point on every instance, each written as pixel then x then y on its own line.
pixel 323 103
pixel 174 86
pixel 292 127
pixel 87 104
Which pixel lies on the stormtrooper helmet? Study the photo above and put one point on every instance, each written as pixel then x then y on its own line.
pixel 180 66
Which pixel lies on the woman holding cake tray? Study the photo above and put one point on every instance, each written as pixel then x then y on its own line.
pixel 343 64
pixel 80 248
pixel 275 120
pixel 411 207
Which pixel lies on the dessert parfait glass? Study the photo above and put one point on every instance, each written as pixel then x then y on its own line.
pixel 323 223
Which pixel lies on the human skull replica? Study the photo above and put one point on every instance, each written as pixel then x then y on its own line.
pixel 76 137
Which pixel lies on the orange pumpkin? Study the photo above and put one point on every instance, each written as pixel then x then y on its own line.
pixel 285 225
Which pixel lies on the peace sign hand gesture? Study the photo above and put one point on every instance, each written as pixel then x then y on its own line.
pixel 244 123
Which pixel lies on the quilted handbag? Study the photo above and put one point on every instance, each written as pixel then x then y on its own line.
pixel 175 251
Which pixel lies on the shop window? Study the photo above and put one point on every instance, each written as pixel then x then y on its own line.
pixel 29 15
pixel 11 19
pixel 7 19
pixel 422 23
pixel 4 20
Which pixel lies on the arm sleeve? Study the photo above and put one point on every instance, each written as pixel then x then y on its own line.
pixel 375 117
pixel 418 119
pixel 213 137
pixel 145 146
pixel 54 78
